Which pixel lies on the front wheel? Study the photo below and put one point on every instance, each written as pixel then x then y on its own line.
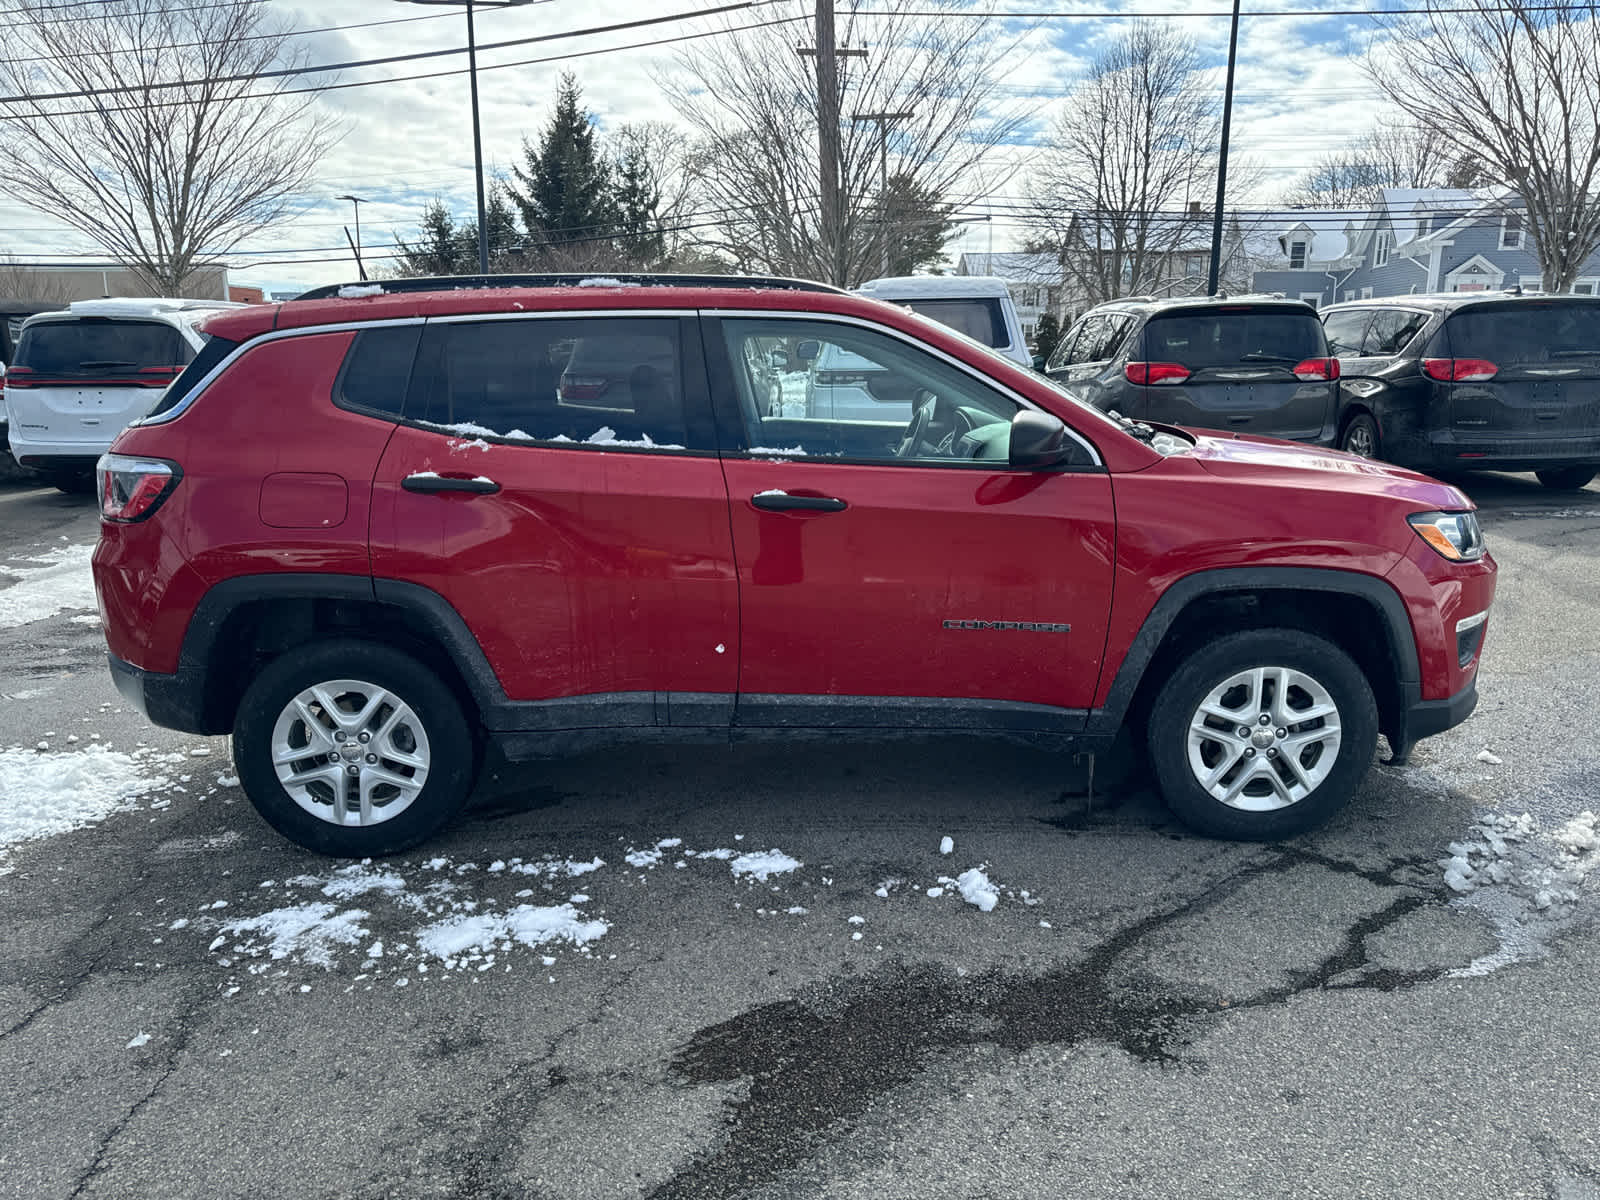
pixel 353 749
pixel 1262 734
pixel 1566 479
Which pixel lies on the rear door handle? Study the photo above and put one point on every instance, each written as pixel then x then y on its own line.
pixel 429 482
pixel 783 502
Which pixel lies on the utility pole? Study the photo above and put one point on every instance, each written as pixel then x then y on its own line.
pixel 828 55
pixel 1222 159
pixel 883 119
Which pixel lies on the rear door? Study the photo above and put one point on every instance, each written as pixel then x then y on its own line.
pixel 1238 374
pixel 1545 385
pixel 76 383
pixel 555 480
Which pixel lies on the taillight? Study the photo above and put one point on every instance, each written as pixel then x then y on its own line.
pixel 133 488
pixel 1152 373
pixel 1459 370
pixel 17 377
pixel 158 376
pixel 583 387
pixel 1317 368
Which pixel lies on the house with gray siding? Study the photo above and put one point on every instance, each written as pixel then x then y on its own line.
pixel 1415 240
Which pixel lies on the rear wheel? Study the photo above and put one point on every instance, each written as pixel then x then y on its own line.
pixel 351 748
pixel 1360 436
pixel 1566 479
pixel 1262 734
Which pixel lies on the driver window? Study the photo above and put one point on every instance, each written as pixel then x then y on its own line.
pixel 846 392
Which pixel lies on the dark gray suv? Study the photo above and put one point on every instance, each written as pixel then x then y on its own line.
pixel 1249 365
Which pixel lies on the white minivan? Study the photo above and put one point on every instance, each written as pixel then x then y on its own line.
pixel 843 386
pixel 81 375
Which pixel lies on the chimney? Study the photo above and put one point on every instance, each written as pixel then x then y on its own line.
pixel 1194 208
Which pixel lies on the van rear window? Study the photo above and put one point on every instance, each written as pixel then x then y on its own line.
pixel 1543 331
pixel 97 346
pixel 979 318
pixel 1216 338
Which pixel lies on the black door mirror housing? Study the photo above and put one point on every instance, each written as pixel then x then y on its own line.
pixel 807 351
pixel 1038 440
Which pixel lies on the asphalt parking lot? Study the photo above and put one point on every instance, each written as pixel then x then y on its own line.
pixel 755 971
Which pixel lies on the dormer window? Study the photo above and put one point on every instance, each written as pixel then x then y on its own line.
pixel 1297 254
pixel 1424 224
pixel 1511 231
pixel 1380 249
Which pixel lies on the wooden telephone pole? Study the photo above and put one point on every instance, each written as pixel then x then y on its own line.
pixel 828 54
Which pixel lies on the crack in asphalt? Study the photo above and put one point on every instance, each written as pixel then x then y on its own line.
pixel 816 1065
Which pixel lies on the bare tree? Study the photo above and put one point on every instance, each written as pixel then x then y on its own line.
pixel 167 159
pixel 1390 156
pixel 753 102
pixel 18 282
pixel 1136 142
pixel 1514 84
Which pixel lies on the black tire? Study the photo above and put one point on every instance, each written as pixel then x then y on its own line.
pixel 438 733
pixel 73 483
pixel 1566 479
pixel 1360 436
pixel 1205 671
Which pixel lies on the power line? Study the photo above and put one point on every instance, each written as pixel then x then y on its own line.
pixel 285 72
pixel 332 87
pixel 1175 14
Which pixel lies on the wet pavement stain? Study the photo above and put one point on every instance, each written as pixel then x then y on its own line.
pixel 817 1064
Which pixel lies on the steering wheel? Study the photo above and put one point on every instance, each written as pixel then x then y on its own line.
pixel 921 422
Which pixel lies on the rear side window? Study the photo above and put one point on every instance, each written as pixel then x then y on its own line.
pixel 377 370
pixel 1542 331
pixel 600 381
pixel 1346 331
pixel 978 317
pixel 98 346
pixel 1222 337
pixel 1392 330
pixel 213 352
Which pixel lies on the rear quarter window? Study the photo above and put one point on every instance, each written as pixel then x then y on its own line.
pixel 377 370
pixel 1220 337
pixel 213 352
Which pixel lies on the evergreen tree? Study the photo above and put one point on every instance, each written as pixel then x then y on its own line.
pixel 565 192
pixel 1047 335
pixel 506 242
pixel 918 226
pixel 441 248
pixel 637 200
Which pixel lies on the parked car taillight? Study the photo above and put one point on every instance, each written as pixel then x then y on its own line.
pixel 1148 373
pixel 17 377
pixel 1317 368
pixel 584 387
pixel 1459 370
pixel 158 376
pixel 133 488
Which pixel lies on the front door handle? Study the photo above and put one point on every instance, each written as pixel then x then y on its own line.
pixel 783 502
pixel 427 481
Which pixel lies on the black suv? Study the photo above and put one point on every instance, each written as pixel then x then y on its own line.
pixel 1248 364
pixel 1481 380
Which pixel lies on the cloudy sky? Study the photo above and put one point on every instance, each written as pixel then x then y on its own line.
pixel 1299 93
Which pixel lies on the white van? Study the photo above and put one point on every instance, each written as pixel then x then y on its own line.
pixel 979 306
pixel 80 376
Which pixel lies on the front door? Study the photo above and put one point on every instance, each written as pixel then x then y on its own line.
pixel 895 571
pixel 555 480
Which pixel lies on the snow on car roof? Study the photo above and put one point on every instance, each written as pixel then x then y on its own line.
pixel 919 287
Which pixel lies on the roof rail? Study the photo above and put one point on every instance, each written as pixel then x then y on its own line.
pixel 446 283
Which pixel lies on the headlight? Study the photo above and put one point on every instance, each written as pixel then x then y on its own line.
pixel 1455 535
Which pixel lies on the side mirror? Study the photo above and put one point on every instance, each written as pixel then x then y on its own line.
pixel 1038 363
pixel 779 360
pixel 1037 440
pixel 808 351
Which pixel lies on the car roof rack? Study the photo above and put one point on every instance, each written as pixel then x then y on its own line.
pixel 446 283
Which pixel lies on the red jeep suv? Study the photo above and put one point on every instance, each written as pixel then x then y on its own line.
pixel 369 535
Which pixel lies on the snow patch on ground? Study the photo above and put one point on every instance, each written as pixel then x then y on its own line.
pixel 45 793
pixel 1527 880
pixel 310 932
pixel 58 580
pixel 977 890
pixel 765 864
